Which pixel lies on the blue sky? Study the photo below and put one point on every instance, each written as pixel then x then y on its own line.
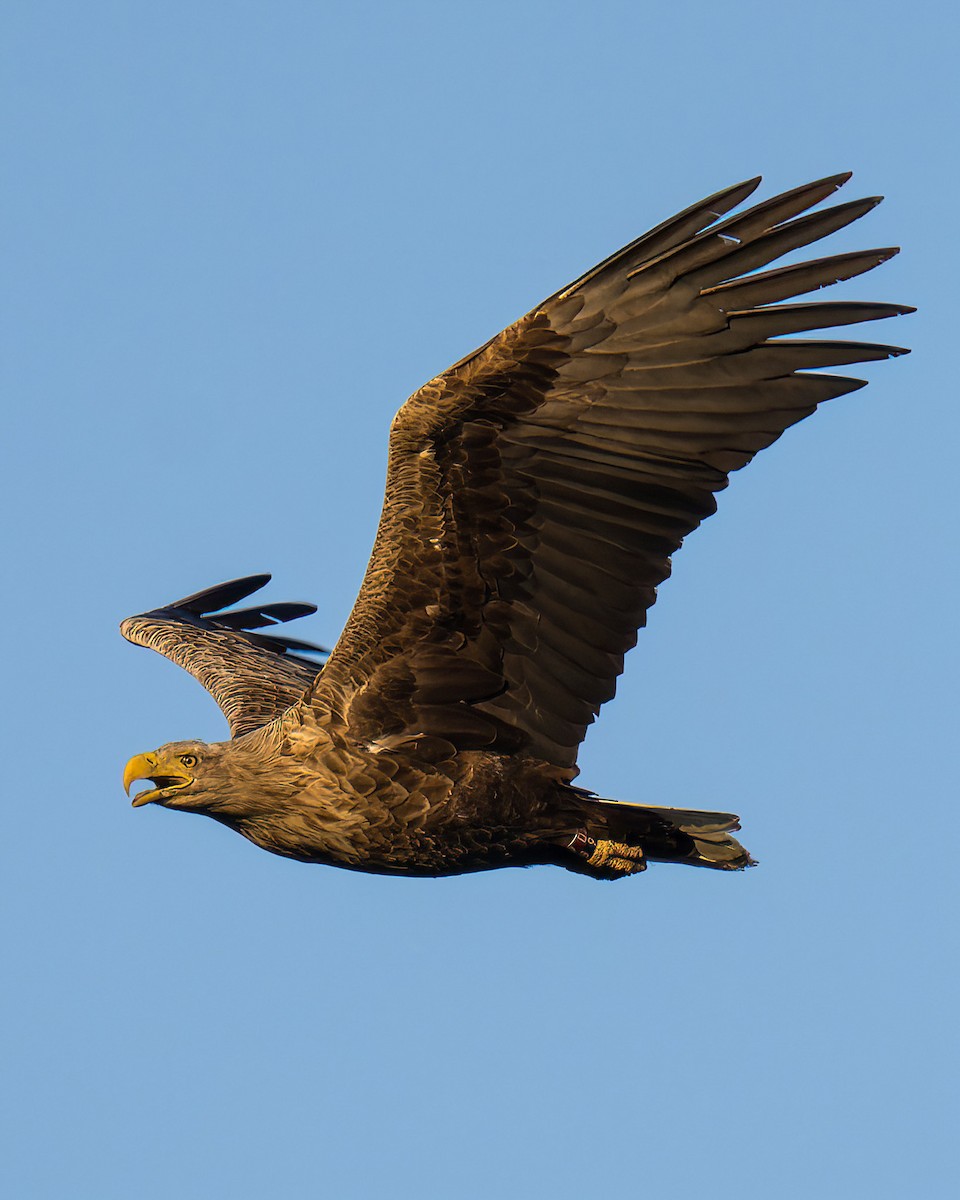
pixel 238 236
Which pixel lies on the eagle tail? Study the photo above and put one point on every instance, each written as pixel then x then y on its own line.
pixel 618 839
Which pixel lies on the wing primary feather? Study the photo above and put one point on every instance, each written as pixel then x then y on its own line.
pixel 268 614
pixel 798 279
pixel 280 644
pixel 669 233
pixel 221 595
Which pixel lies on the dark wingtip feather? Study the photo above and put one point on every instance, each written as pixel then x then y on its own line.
pixel 857 209
pixel 739 190
pixel 832 182
pixel 206 609
pixel 852 384
pixel 874 311
pixel 289 610
pixel 221 595
pixel 280 645
pixel 267 614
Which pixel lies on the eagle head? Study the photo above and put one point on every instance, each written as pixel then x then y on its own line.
pixel 183 774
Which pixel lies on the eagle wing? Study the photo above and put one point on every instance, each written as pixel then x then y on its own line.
pixel 254 677
pixel 536 490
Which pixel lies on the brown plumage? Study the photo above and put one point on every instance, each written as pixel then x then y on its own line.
pixel 535 493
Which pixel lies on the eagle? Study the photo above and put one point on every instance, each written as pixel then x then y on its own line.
pixel 535 493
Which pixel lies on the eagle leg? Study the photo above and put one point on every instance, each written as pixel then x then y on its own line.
pixel 609 859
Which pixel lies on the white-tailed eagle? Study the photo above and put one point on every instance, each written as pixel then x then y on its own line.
pixel 535 493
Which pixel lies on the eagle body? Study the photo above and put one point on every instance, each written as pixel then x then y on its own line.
pixel 536 492
pixel 311 795
pixel 388 814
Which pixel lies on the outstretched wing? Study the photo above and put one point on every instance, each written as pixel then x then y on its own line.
pixel 252 676
pixel 536 490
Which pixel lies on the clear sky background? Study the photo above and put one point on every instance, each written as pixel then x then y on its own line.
pixel 238 235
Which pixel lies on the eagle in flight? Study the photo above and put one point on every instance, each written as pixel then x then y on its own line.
pixel 535 493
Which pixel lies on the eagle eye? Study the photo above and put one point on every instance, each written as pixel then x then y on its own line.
pixel 189 760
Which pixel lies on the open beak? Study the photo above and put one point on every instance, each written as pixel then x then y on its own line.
pixel 149 767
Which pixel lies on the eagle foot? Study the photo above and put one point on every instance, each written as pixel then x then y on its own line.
pixel 612 858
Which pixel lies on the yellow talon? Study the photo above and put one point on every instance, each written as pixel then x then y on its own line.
pixel 617 856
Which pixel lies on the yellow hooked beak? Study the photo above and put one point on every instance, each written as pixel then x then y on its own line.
pixel 161 772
